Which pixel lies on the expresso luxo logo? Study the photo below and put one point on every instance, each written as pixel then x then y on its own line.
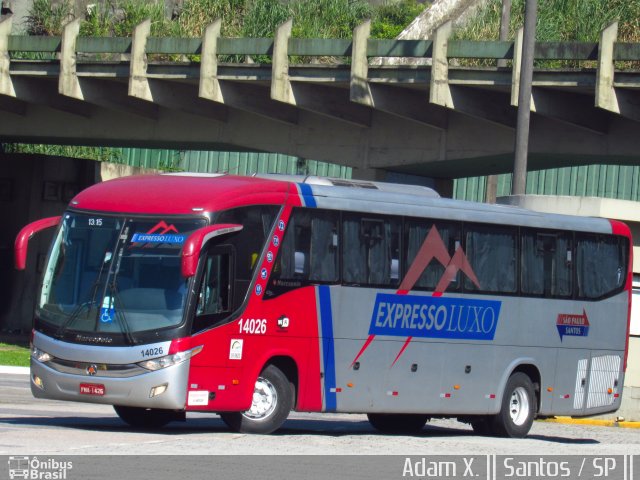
pixel 160 233
pixel 435 316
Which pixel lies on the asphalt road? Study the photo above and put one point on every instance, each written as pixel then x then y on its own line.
pixel 30 426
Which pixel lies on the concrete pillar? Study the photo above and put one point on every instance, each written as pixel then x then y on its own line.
pixel 439 92
pixel 605 91
pixel 68 83
pixel 209 83
pixel 138 82
pixel 359 91
pixel 280 84
pixel 6 85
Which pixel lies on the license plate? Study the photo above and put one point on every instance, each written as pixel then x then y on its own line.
pixel 91 389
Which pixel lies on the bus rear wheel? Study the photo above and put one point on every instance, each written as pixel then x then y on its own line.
pixel 272 401
pixel 138 417
pixel 518 410
pixel 397 422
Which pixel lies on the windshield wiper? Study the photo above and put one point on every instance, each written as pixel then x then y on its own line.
pixel 73 317
pixel 80 307
pixel 117 302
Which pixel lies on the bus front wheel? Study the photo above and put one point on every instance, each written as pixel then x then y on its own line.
pixel 271 403
pixel 518 410
pixel 398 422
pixel 138 417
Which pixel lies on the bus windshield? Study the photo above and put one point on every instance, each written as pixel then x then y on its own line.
pixel 116 275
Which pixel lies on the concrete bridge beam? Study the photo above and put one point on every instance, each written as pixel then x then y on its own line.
pixel 608 96
pixel 243 96
pixel 575 109
pixel 492 106
pixel 172 95
pixel 333 102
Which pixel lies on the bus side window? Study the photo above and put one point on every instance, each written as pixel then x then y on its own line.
pixel 371 250
pixel 601 265
pixel 492 254
pixel 547 266
pixel 416 232
pixel 309 250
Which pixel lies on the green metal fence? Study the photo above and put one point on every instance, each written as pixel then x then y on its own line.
pixel 608 181
pixel 237 163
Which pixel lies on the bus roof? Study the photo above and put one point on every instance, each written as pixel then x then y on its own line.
pixel 187 193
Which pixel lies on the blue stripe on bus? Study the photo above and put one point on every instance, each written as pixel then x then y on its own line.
pixel 307 195
pixel 326 317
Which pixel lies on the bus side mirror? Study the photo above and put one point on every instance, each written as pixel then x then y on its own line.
pixel 194 243
pixel 22 240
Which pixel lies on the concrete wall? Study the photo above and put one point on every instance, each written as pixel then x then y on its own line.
pixel 38 187
pixel 31 187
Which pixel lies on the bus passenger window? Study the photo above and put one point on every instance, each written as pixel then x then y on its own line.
pixel 309 250
pixel 416 233
pixel 371 250
pixel 546 264
pixel 601 265
pixel 491 251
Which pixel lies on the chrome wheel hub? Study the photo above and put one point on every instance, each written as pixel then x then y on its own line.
pixel 519 406
pixel 264 401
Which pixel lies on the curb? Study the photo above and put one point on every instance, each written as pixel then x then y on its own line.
pixel 14 370
pixel 592 422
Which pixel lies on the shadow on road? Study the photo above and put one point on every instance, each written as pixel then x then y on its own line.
pixel 292 427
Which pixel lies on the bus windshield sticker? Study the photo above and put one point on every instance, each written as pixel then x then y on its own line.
pixel 573 325
pixel 160 233
pixel 107 312
pixel 235 349
pixel 281 225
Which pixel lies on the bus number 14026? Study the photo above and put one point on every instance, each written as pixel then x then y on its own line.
pixel 253 326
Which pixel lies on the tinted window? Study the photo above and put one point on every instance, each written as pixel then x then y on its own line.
pixel 248 243
pixel 309 251
pixel 546 264
pixel 443 237
pixel 491 252
pixel 601 265
pixel 370 250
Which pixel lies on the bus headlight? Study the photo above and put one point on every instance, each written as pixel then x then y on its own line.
pixel 170 360
pixel 39 355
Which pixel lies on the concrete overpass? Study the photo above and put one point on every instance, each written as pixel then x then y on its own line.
pixel 439 120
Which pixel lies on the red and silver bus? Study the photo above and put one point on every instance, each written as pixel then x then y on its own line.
pixel 252 297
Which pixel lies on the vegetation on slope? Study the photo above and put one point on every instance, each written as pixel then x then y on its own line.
pixel 241 18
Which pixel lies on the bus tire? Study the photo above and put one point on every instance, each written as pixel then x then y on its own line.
pixel 397 422
pixel 518 410
pixel 272 402
pixel 139 417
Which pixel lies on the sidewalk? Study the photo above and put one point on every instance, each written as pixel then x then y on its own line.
pixel 592 421
pixel 14 370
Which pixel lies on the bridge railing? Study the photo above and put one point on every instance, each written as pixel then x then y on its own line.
pixel 212 61
pixel 494 50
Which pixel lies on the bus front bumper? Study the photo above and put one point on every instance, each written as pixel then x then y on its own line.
pixel 165 388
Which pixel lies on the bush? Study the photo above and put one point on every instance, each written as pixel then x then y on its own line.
pixel 391 19
pixel 47 19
